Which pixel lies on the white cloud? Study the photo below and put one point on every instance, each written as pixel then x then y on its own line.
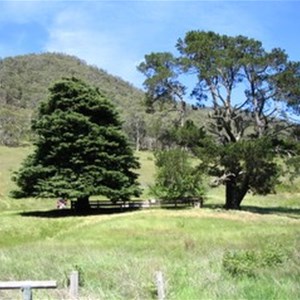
pixel 75 32
pixel 115 35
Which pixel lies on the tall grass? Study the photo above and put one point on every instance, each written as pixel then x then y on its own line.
pixel 118 255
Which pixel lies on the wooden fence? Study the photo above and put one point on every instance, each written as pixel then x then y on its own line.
pixel 27 286
pixel 137 204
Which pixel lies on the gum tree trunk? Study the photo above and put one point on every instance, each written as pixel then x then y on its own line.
pixel 235 192
pixel 231 194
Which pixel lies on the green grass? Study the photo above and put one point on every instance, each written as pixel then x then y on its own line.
pixel 10 159
pixel 117 255
pixel 147 170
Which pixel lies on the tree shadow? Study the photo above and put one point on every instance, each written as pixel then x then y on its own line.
pixel 277 210
pixel 65 213
pixel 290 212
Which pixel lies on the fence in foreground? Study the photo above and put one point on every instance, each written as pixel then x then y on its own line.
pixel 26 287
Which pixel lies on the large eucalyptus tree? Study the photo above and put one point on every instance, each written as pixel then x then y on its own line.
pixel 249 91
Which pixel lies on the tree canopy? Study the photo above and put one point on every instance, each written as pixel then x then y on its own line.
pixel 176 178
pixel 80 149
pixel 249 91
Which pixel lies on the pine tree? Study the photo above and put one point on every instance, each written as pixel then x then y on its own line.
pixel 80 149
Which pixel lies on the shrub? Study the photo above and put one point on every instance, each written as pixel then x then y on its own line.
pixel 175 177
pixel 250 262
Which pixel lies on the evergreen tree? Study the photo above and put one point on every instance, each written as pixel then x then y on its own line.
pixel 80 149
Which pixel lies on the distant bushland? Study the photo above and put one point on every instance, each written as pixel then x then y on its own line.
pixel 24 83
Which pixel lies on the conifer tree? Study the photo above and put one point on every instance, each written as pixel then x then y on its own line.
pixel 80 149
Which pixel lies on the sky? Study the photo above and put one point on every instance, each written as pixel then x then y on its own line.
pixel 116 35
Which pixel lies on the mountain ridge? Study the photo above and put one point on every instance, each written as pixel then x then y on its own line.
pixel 24 79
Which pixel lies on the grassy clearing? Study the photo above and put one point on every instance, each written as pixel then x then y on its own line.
pixel 117 255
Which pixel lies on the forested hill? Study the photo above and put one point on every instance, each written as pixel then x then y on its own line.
pixel 24 82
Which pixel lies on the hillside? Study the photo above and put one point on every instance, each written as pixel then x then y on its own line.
pixel 24 82
pixel 25 79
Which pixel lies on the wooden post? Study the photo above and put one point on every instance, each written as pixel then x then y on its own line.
pixel 159 279
pixel 27 293
pixel 74 284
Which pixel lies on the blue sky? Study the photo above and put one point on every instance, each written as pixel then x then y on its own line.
pixel 115 35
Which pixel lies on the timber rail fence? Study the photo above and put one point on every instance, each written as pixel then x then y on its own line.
pixel 27 286
pixel 137 204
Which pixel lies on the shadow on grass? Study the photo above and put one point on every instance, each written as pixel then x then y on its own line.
pixel 277 210
pixel 175 207
pixel 64 213
pixel 282 211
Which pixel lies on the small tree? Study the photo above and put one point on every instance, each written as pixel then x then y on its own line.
pixel 176 178
pixel 80 149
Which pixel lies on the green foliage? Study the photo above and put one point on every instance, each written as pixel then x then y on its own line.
pixel 254 159
pixel 251 262
pixel 187 245
pixel 80 149
pixel 176 178
pixel 243 133
pixel 161 70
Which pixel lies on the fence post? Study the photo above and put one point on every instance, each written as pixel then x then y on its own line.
pixel 27 293
pixel 160 285
pixel 74 283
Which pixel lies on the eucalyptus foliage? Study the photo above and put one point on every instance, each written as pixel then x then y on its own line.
pixel 251 93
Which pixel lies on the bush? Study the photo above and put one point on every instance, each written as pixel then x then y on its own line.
pixel 175 177
pixel 250 262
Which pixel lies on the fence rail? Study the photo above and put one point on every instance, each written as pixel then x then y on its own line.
pixel 133 204
pixel 10 285
pixel 27 286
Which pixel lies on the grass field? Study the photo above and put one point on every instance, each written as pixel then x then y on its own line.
pixel 203 253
